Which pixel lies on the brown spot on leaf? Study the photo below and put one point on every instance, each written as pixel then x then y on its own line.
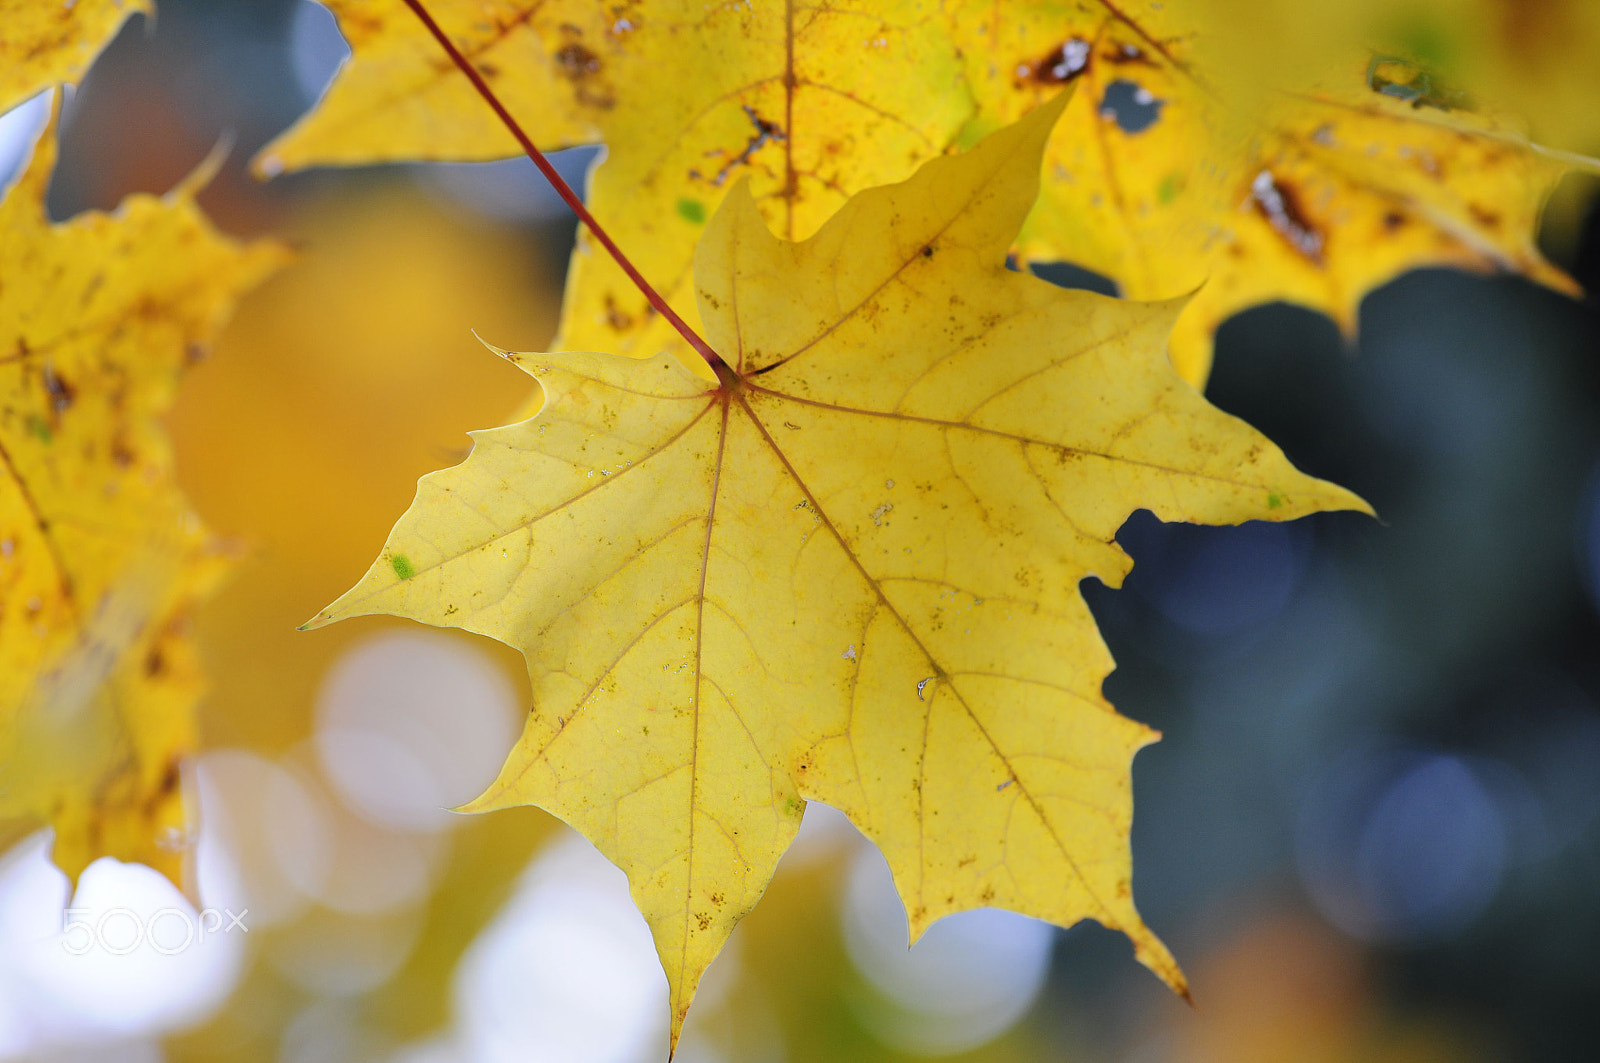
pixel 169 779
pixel 1062 64
pixel 577 62
pixel 1123 54
pixel 581 66
pixel 616 317
pixel 62 394
pixel 1489 219
pixel 168 785
pixel 1279 203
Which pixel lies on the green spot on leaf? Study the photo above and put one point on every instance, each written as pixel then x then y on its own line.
pixel 792 806
pixel 1429 43
pixel 692 211
pixel 1171 185
pixel 402 566
pixel 1274 500
pixel 39 428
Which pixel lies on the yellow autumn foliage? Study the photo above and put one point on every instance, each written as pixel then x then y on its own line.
pixel 44 44
pixel 848 572
pixel 1173 168
pixel 101 560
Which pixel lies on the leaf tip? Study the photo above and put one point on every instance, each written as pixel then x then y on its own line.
pixel 680 1014
pixel 1058 103
pixel 511 356
pixel 1041 121
pixel 488 801
pixel 1345 499
pixel 1149 950
pixel 321 620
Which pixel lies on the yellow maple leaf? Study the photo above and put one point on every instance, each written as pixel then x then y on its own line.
pixel 1313 191
pixel 1259 196
pixel 846 572
pixel 44 44
pixel 766 99
pixel 1535 58
pixel 100 559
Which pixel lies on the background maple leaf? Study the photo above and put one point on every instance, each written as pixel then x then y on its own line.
pixel 1169 171
pixel 46 44
pixel 103 562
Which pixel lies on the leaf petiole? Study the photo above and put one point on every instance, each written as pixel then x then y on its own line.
pixel 563 189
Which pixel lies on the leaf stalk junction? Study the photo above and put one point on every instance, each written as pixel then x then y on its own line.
pixel 568 196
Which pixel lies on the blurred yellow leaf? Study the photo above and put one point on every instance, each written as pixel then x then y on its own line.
pixel 848 572
pixel 1173 168
pixel 44 44
pixel 100 559
pixel 1186 172
pixel 781 108
pixel 1535 58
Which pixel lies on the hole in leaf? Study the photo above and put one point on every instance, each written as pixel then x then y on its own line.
pixel 1134 107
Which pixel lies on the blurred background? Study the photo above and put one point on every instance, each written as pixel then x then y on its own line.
pixel 1371 832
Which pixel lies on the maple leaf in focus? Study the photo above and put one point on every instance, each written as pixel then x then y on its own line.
pixel 101 561
pixel 1156 176
pixel 44 44
pixel 847 572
